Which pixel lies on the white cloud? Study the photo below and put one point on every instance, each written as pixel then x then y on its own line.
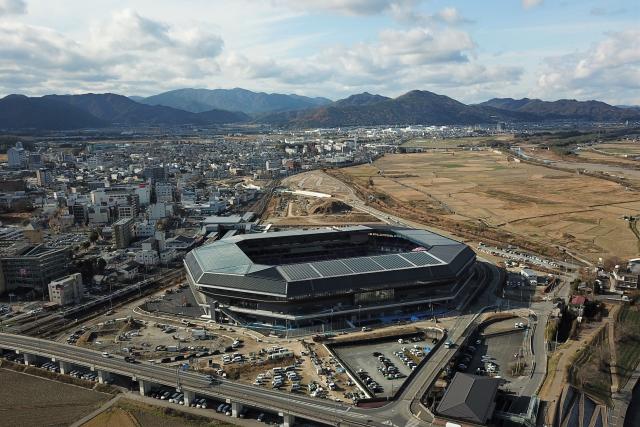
pixel 347 7
pixel 610 66
pixel 12 7
pixel 528 4
pixel 448 15
pixel 399 60
pixel 124 52
pixel 130 31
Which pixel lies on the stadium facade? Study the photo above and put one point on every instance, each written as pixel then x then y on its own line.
pixel 331 276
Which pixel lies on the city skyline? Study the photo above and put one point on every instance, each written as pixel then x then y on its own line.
pixel 468 51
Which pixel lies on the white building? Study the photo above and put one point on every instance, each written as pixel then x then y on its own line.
pixel 147 255
pixel 17 156
pixel 67 290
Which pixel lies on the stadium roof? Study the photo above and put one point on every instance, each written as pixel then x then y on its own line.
pixel 442 256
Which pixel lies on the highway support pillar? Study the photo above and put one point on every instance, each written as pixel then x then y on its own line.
pixel 102 376
pixel 236 408
pixel 288 420
pixel 145 387
pixel 65 367
pixel 189 396
pixel 29 359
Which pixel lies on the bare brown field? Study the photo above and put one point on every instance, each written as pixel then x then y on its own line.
pixel 620 147
pixel 128 413
pixel 30 401
pixel 439 143
pixel 580 212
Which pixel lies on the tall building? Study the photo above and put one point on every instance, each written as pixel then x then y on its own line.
pixel 17 156
pixel 67 290
pixel 123 232
pixel 79 212
pixel 44 177
pixel 29 266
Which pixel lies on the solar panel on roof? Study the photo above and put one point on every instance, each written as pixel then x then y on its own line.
pixel 362 264
pixel 420 258
pixel 299 271
pixel 331 268
pixel 391 262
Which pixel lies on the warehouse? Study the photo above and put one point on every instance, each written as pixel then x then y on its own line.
pixel 333 277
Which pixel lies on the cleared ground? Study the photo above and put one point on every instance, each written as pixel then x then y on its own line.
pixel 295 210
pixel 535 202
pixel 30 401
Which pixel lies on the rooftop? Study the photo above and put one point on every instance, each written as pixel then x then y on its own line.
pixel 469 398
pixel 302 256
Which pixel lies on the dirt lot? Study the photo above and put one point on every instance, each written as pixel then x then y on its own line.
pixel 538 203
pixel 149 340
pixel 30 401
pixel 295 210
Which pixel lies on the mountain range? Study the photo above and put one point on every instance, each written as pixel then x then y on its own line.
pixel 199 100
pixel 63 112
pixel 564 109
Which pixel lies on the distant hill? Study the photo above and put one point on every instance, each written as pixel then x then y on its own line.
pixel 118 109
pixel 629 107
pixel 22 112
pixel 364 98
pixel 99 110
pixel 415 107
pixel 564 109
pixel 198 100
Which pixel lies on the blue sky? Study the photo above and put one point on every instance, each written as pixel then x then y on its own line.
pixel 469 50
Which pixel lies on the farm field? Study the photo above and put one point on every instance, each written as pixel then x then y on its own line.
pixel 622 148
pixel 541 204
pixel 30 401
pixel 456 142
pixel 127 413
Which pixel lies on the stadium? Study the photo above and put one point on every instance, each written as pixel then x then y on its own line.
pixel 326 279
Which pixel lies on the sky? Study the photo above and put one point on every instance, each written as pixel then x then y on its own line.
pixel 470 50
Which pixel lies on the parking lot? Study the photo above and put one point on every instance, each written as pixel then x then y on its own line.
pixel 501 356
pixel 370 360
